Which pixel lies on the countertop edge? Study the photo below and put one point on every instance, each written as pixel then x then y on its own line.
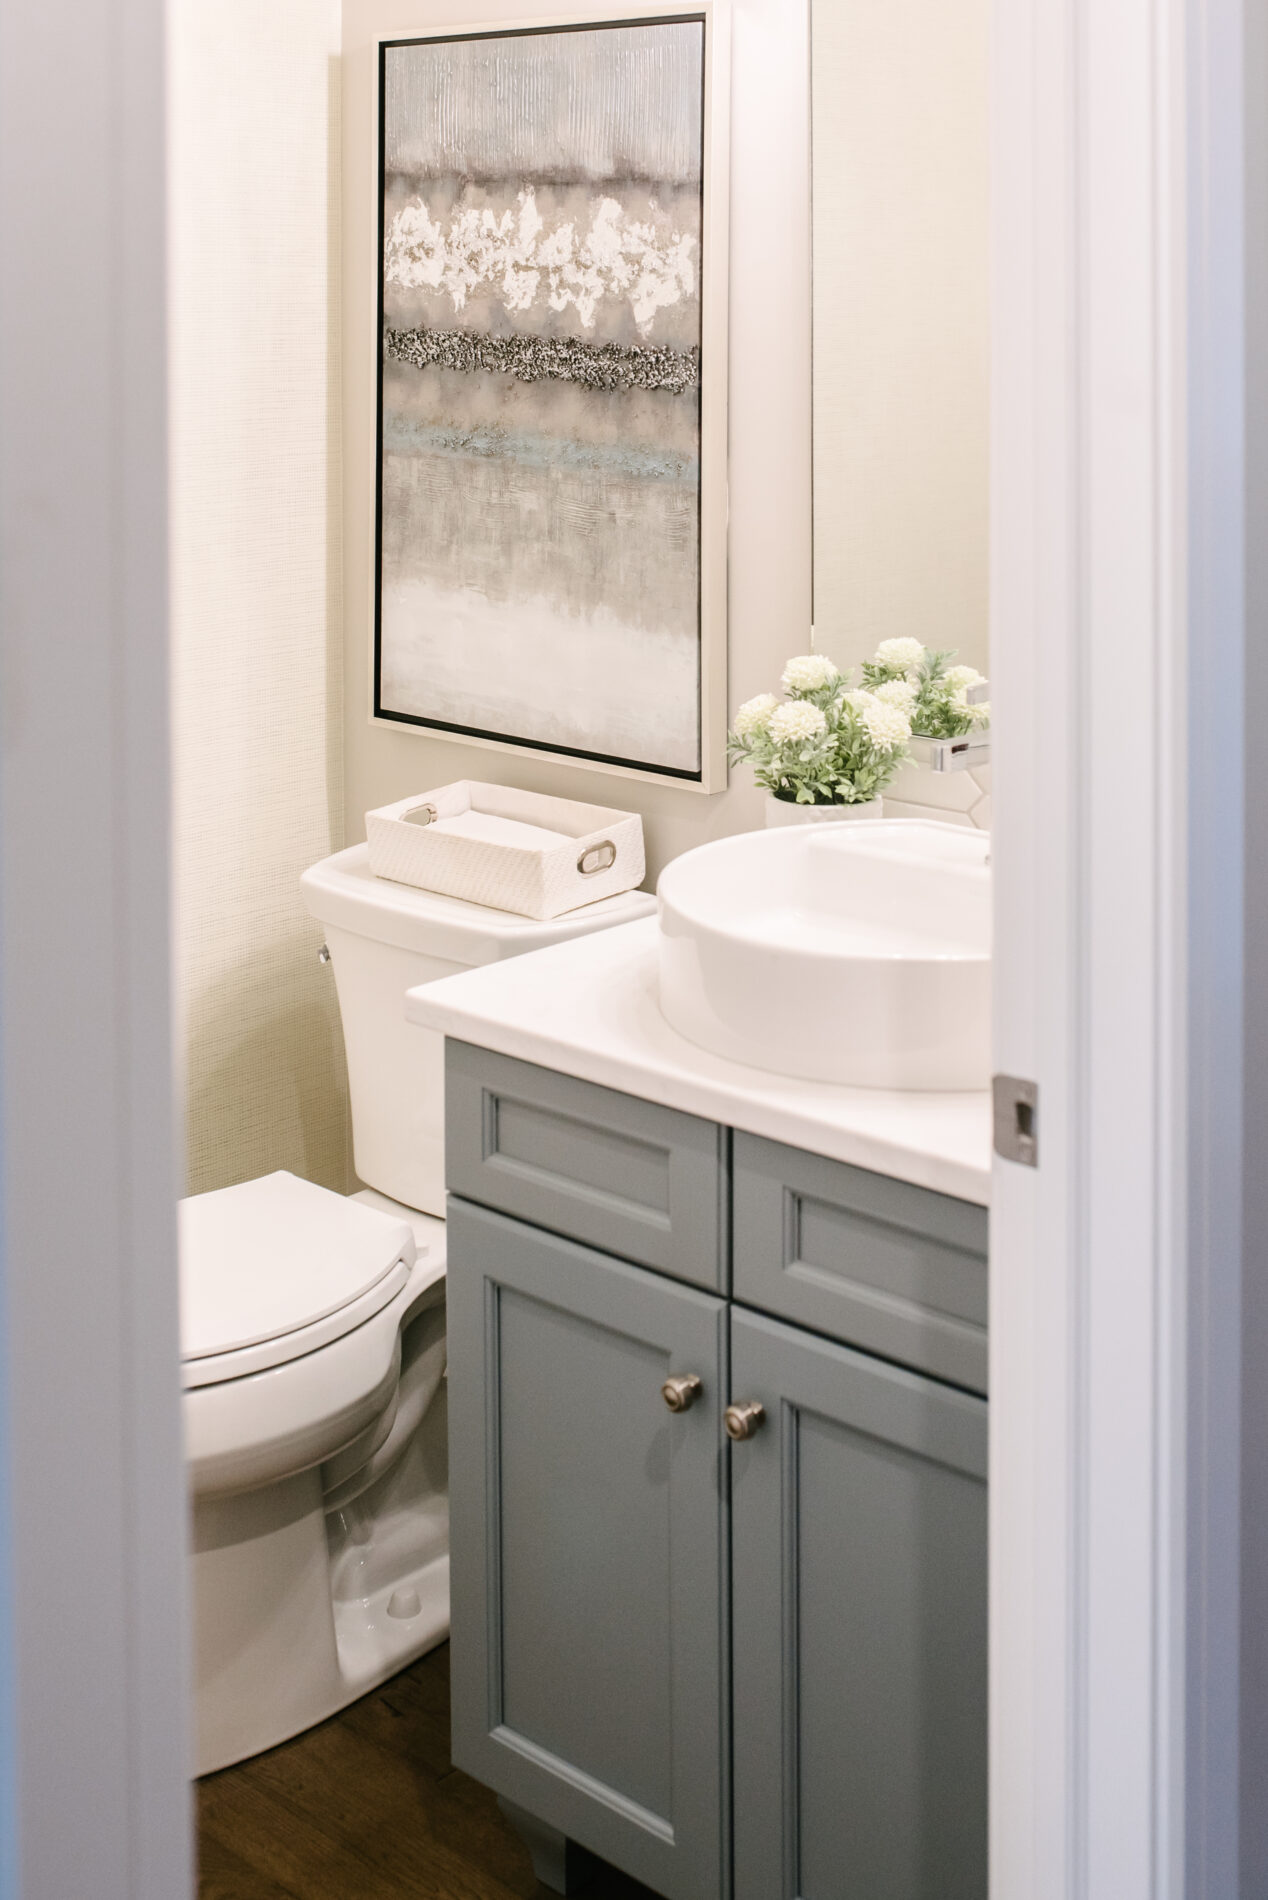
pixel 713 1101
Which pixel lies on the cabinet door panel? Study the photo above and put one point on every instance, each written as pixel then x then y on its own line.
pixel 859 1561
pixel 588 1522
pixel 585 1547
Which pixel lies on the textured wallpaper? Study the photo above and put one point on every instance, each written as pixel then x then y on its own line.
pixel 255 579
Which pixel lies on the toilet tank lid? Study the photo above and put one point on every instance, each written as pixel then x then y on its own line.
pixel 267 1257
pixel 343 891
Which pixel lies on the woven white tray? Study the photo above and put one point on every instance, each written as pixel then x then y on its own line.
pixel 512 850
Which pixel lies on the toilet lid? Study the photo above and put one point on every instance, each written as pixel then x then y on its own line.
pixel 269 1258
pixel 343 892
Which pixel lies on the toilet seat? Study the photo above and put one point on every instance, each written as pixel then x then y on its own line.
pixel 275 1268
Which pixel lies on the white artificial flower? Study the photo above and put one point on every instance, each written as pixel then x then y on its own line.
pixel 902 653
pixel 754 714
pixel 900 693
pixel 886 726
pixel 981 714
pixel 809 673
pixel 795 721
pixel 860 699
pixel 960 678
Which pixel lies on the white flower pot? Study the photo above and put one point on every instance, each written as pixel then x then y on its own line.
pixel 781 811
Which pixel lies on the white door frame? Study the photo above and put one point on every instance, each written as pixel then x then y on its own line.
pixel 1118 622
pixel 1249 1771
pixel 94 1752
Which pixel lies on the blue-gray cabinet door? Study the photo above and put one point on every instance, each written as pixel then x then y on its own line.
pixel 859 1624
pixel 588 1548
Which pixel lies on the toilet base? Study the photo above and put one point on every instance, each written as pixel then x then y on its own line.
pixel 299 1610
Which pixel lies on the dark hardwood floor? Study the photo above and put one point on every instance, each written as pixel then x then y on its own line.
pixel 368 1807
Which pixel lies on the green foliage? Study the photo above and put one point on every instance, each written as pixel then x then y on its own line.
pixel 940 709
pixel 831 743
pixel 845 763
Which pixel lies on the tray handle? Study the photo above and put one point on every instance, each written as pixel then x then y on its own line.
pixel 597 857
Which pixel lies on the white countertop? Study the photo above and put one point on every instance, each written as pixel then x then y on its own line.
pixel 588 1007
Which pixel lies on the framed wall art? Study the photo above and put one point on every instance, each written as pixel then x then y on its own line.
pixel 550 532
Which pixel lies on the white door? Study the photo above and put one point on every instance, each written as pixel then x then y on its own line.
pixel 94 1753
pixel 1117 661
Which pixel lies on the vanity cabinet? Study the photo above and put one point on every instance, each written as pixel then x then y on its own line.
pixel 741 1655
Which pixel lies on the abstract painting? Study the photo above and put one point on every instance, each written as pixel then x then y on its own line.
pixel 542 229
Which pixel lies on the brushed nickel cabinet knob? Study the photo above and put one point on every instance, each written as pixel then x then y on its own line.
pixel 681 1391
pixel 742 1420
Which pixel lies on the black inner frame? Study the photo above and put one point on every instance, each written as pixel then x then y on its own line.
pixel 478 732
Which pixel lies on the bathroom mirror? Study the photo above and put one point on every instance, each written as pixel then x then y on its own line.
pixel 900 325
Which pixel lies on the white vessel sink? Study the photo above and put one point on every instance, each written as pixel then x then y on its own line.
pixel 852 953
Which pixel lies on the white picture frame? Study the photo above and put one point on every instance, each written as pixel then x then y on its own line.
pixel 709 774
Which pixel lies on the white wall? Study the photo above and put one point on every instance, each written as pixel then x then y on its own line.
pixel 769 421
pixel 256 582
pixel 900 324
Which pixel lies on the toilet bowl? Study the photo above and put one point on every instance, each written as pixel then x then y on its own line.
pixel 313 1349
pixel 313 1354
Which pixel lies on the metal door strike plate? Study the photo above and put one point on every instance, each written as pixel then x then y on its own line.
pixel 1016 1119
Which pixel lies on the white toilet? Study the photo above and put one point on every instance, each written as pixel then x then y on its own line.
pixel 313 1345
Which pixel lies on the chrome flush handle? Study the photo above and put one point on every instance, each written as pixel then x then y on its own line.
pixel 743 1420
pixel 682 1390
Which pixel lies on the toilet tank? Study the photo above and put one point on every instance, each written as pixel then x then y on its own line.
pixel 384 938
